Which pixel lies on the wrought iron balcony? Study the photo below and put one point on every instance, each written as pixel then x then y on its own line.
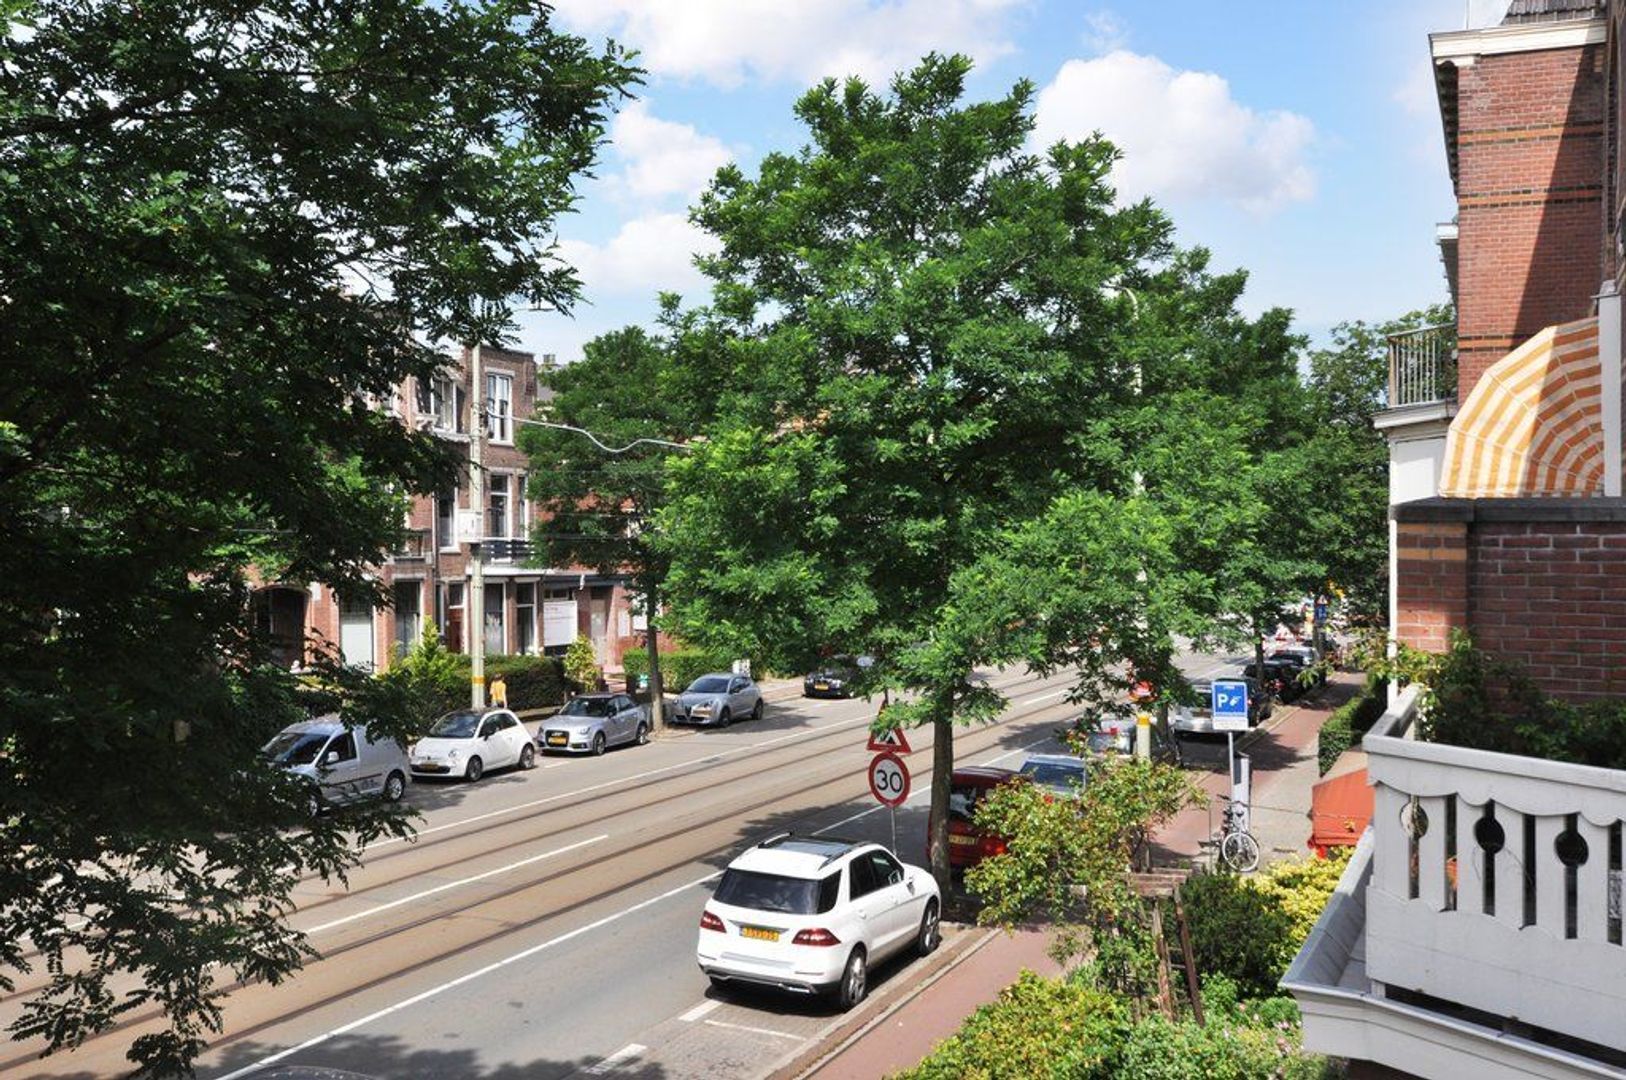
pixel 1423 366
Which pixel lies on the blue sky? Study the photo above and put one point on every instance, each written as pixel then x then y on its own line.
pixel 1299 140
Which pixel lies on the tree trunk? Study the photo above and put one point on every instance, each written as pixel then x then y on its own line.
pixel 937 845
pixel 1259 651
pixel 657 703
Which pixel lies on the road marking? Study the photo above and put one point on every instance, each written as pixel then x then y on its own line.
pixel 1045 697
pixel 617 1059
pixel 757 1030
pixel 435 991
pixel 700 1010
pixel 455 884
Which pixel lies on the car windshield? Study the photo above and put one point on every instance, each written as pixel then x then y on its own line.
pixel 1103 741
pixel 294 748
pixel 709 684
pixel 586 707
pixel 456 725
pixel 1054 775
pixel 769 892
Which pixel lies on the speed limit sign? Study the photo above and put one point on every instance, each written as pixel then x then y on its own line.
pixel 889 779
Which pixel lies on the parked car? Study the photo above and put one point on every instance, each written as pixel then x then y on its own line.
pixel 968 845
pixel 470 742
pixel 1198 719
pixel 833 678
pixel 1096 736
pixel 1302 657
pixel 718 699
pixel 589 723
pixel 1059 774
pixel 810 915
pixel 343 764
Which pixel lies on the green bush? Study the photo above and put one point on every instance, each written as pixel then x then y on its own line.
pixel 1248 929
pixel 1161 1049
pixel 427 680
pixel 534 682
pixel 1037 1028
pixel 1352 719
pixel 679 668
pixel 581 665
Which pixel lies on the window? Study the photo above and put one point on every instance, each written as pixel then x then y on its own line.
pixel 408 613
pixel 525 618
pixel 776 893
pixel 522 522
pixel 342 748
pixel 452 624
pixel 496 639
pixel 886 869
pixel 861 878
pixel 500 408
pixel 497 502
pixel 446 521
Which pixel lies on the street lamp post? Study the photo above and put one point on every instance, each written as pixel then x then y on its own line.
pixel 477 498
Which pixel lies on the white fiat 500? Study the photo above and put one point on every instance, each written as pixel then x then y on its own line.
pixel 810 914
pixel 469 741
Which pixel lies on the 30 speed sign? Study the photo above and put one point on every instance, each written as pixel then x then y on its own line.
pixel 889 779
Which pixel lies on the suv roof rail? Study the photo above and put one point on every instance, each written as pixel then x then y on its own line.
pixel 776 838
pixel 845 848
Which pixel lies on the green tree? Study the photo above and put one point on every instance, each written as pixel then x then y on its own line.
pixel 600 494
pixel 581 664
pixel 915 321
pixel 227 233
pixel 1348 381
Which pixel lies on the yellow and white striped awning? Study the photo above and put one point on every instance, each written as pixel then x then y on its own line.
pixel 1533 423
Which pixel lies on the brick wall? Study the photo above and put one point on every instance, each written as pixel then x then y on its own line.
pixel 1531 162
pixel 1547 592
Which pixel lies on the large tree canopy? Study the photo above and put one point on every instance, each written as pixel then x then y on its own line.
pixel 227 234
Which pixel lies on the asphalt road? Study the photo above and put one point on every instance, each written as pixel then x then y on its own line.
pixel 543 923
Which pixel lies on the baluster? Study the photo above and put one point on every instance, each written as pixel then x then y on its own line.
pixel 1510 869
pixel 1391 871
pixel 1470 860
pixel 1592 884
pixel 1431 853
pixel 1549 873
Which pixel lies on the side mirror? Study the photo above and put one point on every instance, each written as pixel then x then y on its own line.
pixel 331 757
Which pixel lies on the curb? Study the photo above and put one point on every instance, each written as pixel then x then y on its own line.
pixel 832 1044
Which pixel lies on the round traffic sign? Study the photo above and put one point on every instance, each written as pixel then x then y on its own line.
pixel 889 779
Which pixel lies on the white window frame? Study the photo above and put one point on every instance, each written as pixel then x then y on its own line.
pixel 446 538
pixel 507 496
pixel 500 407
pixel 523 620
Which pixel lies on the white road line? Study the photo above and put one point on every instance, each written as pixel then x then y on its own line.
pixel 757 1030
pixel 1045 697
pixel 455 884
pixel 435 991
pixel 700 1010
pixel 616 1060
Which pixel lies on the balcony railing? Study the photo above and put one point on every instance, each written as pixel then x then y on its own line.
pixel 1423 366
pixel 1496 884
pixel 414 546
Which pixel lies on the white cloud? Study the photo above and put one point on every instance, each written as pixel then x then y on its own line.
pixel 1105 32
pixel 649 254
pixel 663 157
pixel 1182 134
pixel 726 42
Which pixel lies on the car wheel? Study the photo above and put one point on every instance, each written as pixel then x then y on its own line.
pixel 394 786
pixel 642 738
pixel 313 805
pixel 756 710
pixel 527 757
pixel 474 770
pixel 723 718
pixel 598 744
pixel 930 935
pixel 854 981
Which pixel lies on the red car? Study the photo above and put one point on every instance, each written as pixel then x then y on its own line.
pixel 969 845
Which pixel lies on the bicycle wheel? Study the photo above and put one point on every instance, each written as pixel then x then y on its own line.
pixel 1240 851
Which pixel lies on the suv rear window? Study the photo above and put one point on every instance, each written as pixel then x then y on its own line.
pixel 963 800
pixel 778 893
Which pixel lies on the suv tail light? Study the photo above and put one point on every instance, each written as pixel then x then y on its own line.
pixel 993 845
pixel 708 921
pixel 818 936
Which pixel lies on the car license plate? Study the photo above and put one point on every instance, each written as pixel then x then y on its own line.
pixel 760 933
pixel 557 738
pixel 962 840
pixel 821 686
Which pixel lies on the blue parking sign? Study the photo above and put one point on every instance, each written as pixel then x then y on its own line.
pixel 1230 705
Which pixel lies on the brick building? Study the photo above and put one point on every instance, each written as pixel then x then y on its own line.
pixel 1506 472
pixel 528 610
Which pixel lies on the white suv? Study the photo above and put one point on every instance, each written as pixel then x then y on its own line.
pixel 810 914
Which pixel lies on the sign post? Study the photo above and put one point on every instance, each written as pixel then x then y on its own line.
pixel 1230 713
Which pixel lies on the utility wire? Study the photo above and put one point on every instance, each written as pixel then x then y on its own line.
pixel 596 441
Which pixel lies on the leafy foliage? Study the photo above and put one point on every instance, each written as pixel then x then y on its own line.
pixel 227 232
pixel 1162 1049
pixel 581 664
pixel 680 666
pixel 1351 720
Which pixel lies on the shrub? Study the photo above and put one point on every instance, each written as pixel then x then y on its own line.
pixel 1352 719
pixel 1037 1028
pixel 1248 929
pixel 581 664
pixel 534 682
pixel 1162 1049
pixel 679 668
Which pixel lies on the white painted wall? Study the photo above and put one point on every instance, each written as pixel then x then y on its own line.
pixel 1414 468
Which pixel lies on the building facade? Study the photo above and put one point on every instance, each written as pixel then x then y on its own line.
pixel 529 610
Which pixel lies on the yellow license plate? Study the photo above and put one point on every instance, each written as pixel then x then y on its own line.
pixel 760 933
pixel 821 686
pixel 558 740
pixel 962 840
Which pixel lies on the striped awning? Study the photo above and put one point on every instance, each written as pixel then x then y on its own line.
pixel 1532 424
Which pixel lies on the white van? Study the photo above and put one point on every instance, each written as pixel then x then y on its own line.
pixel 345 763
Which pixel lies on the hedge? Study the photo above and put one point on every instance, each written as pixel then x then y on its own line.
pixel 679 667
pixel 1351 720
pixel 534 682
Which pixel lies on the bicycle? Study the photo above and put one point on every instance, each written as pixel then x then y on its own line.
pixel 1238 850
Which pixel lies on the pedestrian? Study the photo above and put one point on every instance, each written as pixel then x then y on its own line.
pixel 499 692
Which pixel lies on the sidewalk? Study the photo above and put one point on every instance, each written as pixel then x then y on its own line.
pixel 1285 768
